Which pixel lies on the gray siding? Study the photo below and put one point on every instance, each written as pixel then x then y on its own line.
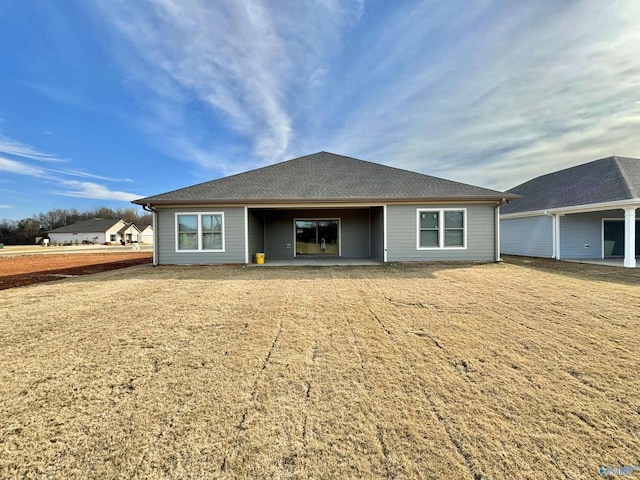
pixel 582 229
pixel 531 236
pixel 256 233
pixel 377 233
pixel 233 238
pixel 402 235
pixel 354 229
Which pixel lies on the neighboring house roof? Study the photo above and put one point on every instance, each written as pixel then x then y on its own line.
pixel 323 177
pixel 126 227
pixel 611 179
pixel 88 226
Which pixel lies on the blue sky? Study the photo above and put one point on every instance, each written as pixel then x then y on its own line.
pixel 102 102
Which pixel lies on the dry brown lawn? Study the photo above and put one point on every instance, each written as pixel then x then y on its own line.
pixel 506 370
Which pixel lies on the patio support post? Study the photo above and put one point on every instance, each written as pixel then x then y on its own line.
pixel 630 237
pixel 556 233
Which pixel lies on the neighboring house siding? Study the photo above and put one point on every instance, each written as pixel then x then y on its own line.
pixel 79 237
pixel 402 235
pixel 233 237
pixel 354 229
pixel 531 236
pixel 256 233
pixel 582 229
pixel 377 233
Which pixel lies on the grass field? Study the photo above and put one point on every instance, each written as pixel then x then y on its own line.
pixel 442 371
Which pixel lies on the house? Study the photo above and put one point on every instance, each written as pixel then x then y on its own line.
pixel 146 234
pixel 129 233
pixel 96 230
pixel 326 205
pixel 584 212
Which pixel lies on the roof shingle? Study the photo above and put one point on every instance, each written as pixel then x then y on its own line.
pixel 322 176
pixel 87 226
pixel 606 180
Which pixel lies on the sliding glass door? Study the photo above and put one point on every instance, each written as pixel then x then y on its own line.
pixel 317 237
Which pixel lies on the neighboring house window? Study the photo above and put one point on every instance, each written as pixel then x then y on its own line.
pixel 199 231
pixel 112 237
pixel 441 228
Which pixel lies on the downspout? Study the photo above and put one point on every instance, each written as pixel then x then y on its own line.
pixel 553 232
pixel 154 223
pixel 496 221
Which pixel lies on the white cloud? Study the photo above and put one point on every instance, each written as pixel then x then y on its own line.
pixel 246 60
pixel 6 206
pixel 48 175
pixel 475 92
pixel 541 87
pixel 78 173
pixel 12 147
pixel 20 168
pixel 94 190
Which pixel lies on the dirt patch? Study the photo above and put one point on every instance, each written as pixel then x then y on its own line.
pixel 17 271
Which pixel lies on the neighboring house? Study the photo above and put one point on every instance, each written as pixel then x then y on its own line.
pixel 582 212
pixel 326 204
pixel 146 234
pixel 97 230
pixel 129 233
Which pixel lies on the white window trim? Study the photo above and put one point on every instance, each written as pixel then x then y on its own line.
pixel 441 212
pixel 199 223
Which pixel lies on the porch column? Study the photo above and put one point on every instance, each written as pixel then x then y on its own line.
pixel 556 233
pixel 630 237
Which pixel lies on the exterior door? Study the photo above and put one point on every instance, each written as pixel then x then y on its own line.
pixel 614 238
pixel 317 237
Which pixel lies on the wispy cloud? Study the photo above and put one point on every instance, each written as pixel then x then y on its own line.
pixel 78 173
pixel 13 147
pixel 20 168
pixel 487 92
pixel 6 206
pixel 526 90
pixel 247 61
pixel 46 176
pixel 93 190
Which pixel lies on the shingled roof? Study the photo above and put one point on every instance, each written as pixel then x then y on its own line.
pixel 87 226
pixel 322 177
pixel 606 180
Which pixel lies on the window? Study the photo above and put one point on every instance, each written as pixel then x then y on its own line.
pixel 199 231
pixel 429 226
pixel 442 228
pixel 454 228
pixel 112 237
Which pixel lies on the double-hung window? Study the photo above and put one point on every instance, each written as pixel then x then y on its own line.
pixel 200 232
pixel 442 228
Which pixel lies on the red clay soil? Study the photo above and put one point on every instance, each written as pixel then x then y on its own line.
pixel 28 269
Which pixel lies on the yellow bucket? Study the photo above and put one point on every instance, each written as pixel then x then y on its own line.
pixel 260 258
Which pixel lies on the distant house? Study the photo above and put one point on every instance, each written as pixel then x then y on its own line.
pixel 146 234
pixel 97 230
pixel 326 205
pixel 582 212
pixel 129 233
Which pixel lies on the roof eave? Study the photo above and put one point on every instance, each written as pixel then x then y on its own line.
pixel 319 201
pixel 592 207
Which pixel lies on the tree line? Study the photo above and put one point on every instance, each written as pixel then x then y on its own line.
pixel 25 231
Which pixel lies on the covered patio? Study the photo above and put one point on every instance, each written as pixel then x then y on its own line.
pixel 304 235
pixel 318 262
pixel 604 234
